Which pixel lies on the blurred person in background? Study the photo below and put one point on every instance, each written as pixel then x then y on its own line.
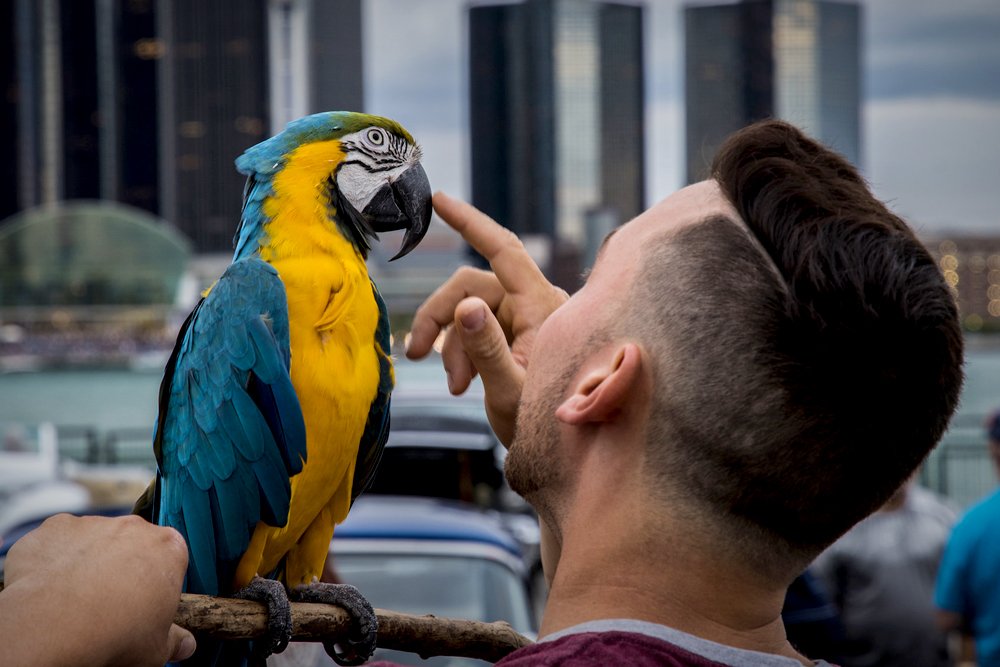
pixel 880 575
pixel 968 583
pixel 812 621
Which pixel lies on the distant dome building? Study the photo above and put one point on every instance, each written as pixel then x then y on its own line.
pixel 90 253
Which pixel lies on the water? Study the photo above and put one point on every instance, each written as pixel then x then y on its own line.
pixel 110 413
pixel 105 400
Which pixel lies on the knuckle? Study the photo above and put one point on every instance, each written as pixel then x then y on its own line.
pixel 175 542
pixel 512 242
pixel 466 274
pixel 490 348
pixel 510 237
pixel 420 313
pixel 57 520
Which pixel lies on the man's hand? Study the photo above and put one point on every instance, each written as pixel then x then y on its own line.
pixel 495 315
pixel 92 589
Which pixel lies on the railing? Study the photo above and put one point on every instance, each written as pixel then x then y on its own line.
pixel 962 471
pixel 121 445
pixel 960 468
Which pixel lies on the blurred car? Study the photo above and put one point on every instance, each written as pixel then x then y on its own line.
pixel 442 446
pixel 427 556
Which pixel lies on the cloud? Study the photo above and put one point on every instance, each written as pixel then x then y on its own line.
pixel 936 161
pixel 415 61
pixel 920 48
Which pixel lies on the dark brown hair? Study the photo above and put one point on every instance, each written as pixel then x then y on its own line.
pixel 813 363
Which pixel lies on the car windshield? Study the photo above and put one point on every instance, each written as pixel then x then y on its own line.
pixel 448 586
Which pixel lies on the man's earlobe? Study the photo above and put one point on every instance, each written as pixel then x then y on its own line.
pixel 602 393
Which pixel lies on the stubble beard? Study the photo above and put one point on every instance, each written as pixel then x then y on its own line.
pixel 532 466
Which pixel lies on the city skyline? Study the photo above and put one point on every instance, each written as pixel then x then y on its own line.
pixel 930 101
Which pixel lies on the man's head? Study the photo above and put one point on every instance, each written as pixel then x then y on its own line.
pixel 804 350
pixel 593 319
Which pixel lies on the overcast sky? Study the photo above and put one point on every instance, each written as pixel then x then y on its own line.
pixel 931 114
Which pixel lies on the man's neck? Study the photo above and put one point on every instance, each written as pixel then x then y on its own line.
pixel 615 569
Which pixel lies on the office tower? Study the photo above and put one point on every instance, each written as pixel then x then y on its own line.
pixel 79 110
pixel 556 111
pixel 214 103
pixel 10 113
pixel 233 74
pixel 799 60
pixel 149 102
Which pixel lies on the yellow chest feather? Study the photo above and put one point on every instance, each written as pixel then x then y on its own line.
pixel 332 317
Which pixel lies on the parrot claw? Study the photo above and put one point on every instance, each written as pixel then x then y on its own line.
pixel 358 648
pixel 279 614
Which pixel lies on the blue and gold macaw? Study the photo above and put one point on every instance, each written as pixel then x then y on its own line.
pixel 274 406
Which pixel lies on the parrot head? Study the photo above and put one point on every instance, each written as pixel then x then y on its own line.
pixel 366 169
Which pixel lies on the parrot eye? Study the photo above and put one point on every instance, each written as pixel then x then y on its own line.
pixel 376 137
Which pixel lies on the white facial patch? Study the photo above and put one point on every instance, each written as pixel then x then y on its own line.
pixel 373 158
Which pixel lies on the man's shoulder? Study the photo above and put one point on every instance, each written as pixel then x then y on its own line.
pixel 605 648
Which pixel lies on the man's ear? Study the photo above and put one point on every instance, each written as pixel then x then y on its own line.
pixel 604 392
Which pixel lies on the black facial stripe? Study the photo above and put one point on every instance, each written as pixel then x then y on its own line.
pixel 371 168
pixel 381 158
pixel 396 152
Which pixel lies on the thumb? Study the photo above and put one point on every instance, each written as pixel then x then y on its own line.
pixel 486 346
pixel 180 644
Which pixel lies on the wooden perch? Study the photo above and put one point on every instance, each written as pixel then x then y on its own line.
pixel 427 636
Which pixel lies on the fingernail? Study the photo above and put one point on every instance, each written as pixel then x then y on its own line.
pixel 187 648
pixel 473 321
pixel 448 376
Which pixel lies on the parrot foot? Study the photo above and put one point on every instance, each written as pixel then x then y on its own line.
pixel 279 614
pixel 358 648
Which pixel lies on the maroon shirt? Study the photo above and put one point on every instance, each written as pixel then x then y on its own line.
pixel 599 649
pixel 614 642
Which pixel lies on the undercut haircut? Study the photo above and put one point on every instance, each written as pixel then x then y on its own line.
pixel 811 352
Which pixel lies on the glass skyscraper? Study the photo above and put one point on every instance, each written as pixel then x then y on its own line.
pixel 799 60
pixel 149 102
pixel 556 111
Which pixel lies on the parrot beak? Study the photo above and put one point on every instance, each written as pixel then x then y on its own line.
pixel 402 204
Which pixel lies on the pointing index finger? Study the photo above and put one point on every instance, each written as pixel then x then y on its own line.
pixel 505 252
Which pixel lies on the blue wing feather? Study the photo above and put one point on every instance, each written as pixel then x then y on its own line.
pixel 230 431
pixel 200 536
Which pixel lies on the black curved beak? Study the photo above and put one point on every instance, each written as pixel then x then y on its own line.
pixel 402 204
